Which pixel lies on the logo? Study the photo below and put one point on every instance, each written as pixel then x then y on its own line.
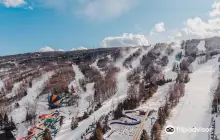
pixel 169 129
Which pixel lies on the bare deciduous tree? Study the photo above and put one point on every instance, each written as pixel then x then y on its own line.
pixel 31 110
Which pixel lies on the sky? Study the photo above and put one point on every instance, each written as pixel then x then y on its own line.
pixel 64 25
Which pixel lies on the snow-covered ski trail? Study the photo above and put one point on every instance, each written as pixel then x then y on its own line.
pixel 68 134
pixel 194 108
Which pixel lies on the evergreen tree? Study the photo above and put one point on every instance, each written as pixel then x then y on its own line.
pixel 174 67
pixel 144 135
pixel 61 120
pixel 85 115
pixel 98 131
pixel 183 44
pixel 164 79
pixel 25 92
pixel 6 121
pixel 186 80
pixel 161 115
pixel 74 123
pixel 12 124
pixel 47 135
pixel 30 84
pixel 1 121
pixel 156 130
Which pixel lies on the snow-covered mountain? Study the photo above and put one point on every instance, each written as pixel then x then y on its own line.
pixel 112 93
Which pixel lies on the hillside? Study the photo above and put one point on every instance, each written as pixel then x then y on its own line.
pixel 112 93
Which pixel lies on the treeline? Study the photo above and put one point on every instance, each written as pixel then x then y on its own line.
pixel 175 92
pixel 116 55
pixel 133 77
pixel 182 77
pixel 91 74
pixel 19 93
pixel 31 74
pixel 184 65
pixel 134 98
pixel 101 63
pixel 5 123
pixel 153 61
pixel 60 80
pixel 98 128
pixel 128 60
pixel 216 99
pixel 202 60
pixel 106 86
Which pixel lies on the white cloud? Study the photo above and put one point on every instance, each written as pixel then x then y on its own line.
pixel 125 40
pixel 79 48
pixel 30 8
pixel 61 50
pixel 93 9
pixel 13 3
pixel 46 49
pixel 196 26
pixel 107 9
pixel 159 27
pixel 192 28
pixel 49 49
pixel 179 34
pixel 216 9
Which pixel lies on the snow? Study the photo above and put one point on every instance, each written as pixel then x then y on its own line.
pixel 83 102
pixel 22 130
pixel 96 67
pixel 156 101
pixel 78 75
pixel 1 84
pixel 136 62
pixel 201 46
pixel 217 126
pixel 14 89
pixel 19 114
pixel 4 69
pixel 68 134
pixel 194 108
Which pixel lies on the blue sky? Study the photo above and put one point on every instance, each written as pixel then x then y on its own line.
pixel 28 25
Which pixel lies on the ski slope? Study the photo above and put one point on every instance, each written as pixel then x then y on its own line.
pixel 201 46
pixel 19 114
pixel 156 101
pixel 78 75
pixel 96 66
pixel 68 134
pixel 194 109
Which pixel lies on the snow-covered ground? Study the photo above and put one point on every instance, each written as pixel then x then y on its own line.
pixel 156 101
pixel 14 89
pixel 78 75
pixel 83 103
pixel 19 114
pixel 1 84
pixel 68 134
pixel 201 46
pixel 194 108
pixel 96 66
